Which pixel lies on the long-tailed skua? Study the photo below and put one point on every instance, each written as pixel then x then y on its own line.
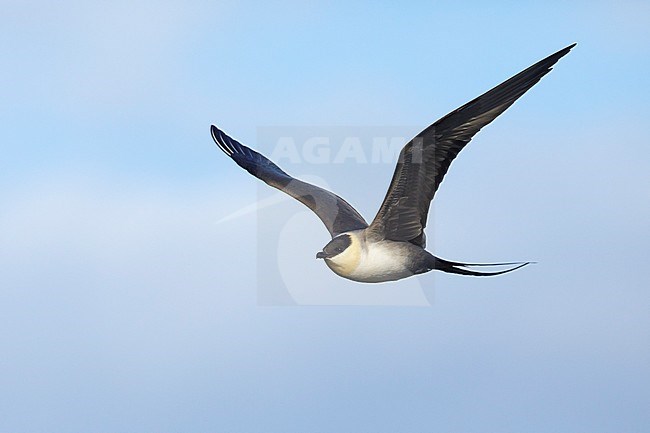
pixel 392 246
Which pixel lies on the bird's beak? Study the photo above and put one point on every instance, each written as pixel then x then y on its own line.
pixel 321 255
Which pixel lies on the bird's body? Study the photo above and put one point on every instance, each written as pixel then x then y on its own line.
pixel 392 246
pixel 384 260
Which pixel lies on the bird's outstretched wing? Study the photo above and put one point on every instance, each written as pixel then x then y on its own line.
pixel 337 214
pixel 424 161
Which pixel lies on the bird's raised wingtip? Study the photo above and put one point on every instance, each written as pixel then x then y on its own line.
pixel 564 51
pixel 214 131
pixel 561 53
pixel 218 137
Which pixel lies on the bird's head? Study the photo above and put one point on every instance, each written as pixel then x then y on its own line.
pixel 335 247
pixel 342 254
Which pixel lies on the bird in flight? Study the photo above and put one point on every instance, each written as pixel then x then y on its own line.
pixel 392 246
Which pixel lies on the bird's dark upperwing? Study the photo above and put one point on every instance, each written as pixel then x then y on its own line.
pixel 337 214
pixel 424 161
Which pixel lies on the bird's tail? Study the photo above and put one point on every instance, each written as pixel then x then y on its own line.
pixel 459 268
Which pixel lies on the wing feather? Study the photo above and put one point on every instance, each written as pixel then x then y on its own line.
pixel 337 214
pixel 424 161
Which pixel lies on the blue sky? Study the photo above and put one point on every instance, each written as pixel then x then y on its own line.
pixel 129 304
